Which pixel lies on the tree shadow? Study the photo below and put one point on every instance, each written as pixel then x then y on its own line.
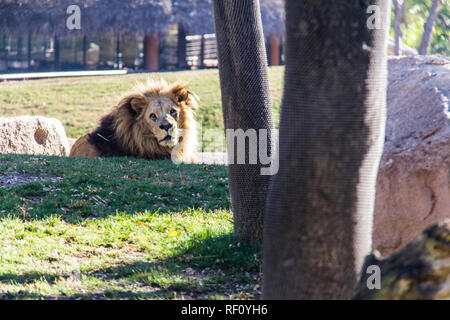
pixel 210 267
pixel 76 189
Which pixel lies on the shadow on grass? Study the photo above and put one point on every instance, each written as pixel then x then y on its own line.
pixel 100 187
pixel 27 277
pixel 214 267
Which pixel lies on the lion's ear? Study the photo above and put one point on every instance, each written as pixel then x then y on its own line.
pixel 180 92
pixel 183 95
pixel 138 104
pixel 193 100
pixel 134 103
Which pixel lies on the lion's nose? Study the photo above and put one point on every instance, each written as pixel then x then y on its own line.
pixel 165 126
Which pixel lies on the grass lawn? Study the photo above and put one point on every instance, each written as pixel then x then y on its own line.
pixel 120 228
pixel 79 102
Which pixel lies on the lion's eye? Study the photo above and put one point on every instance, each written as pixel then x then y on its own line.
pixel 173 112
pixel 153 117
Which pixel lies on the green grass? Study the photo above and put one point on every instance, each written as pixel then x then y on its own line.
pixel 120 228
pixel 79 102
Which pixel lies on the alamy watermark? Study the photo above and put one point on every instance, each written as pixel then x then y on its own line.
pixel 375 20
pixel 257 146
pixel 374 280
pixel 73 22
pixel 249 147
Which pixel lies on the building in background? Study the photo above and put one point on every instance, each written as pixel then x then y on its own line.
pixel 137 34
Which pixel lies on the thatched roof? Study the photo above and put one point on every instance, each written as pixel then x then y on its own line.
pixel 196 16
pixel 272 14
pixel 133 16
pixel 97 16
pixel 118 16
pixel 23 16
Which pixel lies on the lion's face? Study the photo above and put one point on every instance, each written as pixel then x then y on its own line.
pixel 161 115
pixel 163 111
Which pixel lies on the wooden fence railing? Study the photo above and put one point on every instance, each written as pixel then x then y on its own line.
pixel 201 51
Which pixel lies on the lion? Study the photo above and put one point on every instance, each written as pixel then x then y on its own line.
pixel 154 121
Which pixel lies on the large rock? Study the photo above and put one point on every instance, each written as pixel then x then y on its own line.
pixel 413 189
pixel 33 135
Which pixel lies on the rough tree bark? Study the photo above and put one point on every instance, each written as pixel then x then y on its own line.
pixel 246 104
pixel 320 205
pixel 399 6
pixel 429 25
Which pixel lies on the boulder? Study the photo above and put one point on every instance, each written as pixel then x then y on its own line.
pixel 413 188
pixel 33 135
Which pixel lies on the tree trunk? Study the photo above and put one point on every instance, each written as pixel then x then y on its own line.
pixel 318 225
pixel 84 51
pixel 246 104
pixel 19 48
pixel 151 52
pixel 29 50
pixel 274 50
pixel 57 64
pixel 399 10
pixel 429 25
pixel 181 47
pixel 202 52
pixel 118 51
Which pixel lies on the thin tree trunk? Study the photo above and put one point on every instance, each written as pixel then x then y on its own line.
pixel 151 52
pixel 74 45
pixel 56 53
pixel 118 51
pixel 246 104
pixel 181 47
pixel 429 25
pixel 318 225
pixel 84 51
pixel 399 10
pixel 19 48
pixel 274 50
pixel 202 52
pixel 29 50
